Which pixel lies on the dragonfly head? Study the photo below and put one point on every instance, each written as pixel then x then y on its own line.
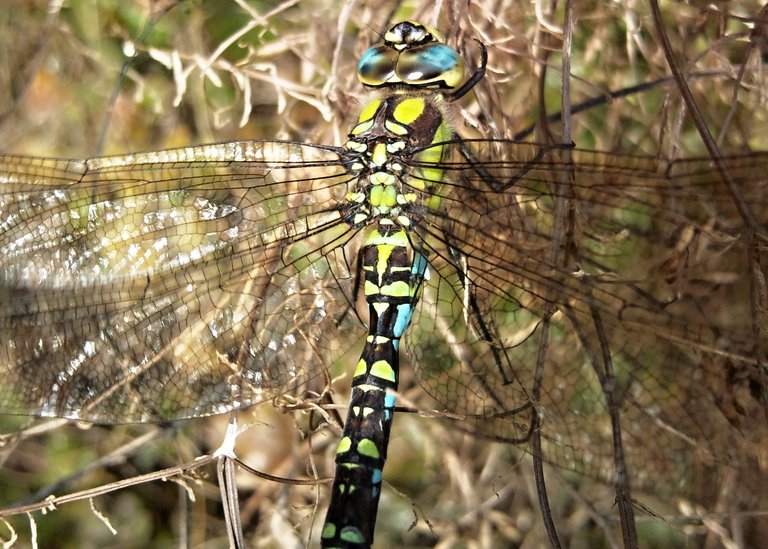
pixel 412 56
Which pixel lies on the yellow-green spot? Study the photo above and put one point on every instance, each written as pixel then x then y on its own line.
pixel 344 445
pixel 397 289
pixel 371 288
pixel 362 367
pixel 416 183
pixel 352 534
pixel 430 176
pixel 383 178
pixel 362 127
pixel 434 202
pixel 366 447
pixel 385 252
pixel 356 146
pixel 377 192
pixel 395 128
pixel 409 110
pixel 375 238
pixel 383 370
pixel 329 530
pixel 390 196
pixel 432 155
pixel 379 155
pixel 369 111
pixel 443 133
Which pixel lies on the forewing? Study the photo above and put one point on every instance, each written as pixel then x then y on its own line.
pixel 171 284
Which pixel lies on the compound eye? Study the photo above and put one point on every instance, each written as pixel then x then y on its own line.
pixel 377 65
pixel 432 63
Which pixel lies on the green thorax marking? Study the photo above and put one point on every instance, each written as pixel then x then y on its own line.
pixel 386 131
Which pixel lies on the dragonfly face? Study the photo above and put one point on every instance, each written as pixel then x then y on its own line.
pixel 531 290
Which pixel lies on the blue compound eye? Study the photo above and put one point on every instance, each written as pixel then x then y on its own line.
pixel 377 65
pixel 412 55
pixel 431 64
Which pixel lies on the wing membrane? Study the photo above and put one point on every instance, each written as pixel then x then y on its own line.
pixel 172 284
pixel 184 283
pixel 631 279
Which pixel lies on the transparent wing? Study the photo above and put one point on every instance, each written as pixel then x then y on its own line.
pixel 171 284
pixel 636 303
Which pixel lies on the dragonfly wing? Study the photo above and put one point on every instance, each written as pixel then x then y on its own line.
pixel 529 313
pixel 172 284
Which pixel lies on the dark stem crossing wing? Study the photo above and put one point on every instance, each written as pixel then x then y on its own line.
pixel 171 284
pixel 649 250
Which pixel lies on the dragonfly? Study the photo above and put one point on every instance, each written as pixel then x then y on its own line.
pixel 193 281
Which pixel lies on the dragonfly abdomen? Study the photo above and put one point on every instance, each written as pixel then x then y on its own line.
pixel 392 273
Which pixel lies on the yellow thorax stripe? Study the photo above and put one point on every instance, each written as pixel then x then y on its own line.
pixel 369 110
pixel 408 110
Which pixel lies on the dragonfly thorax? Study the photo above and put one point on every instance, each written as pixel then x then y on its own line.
pixel 393 136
